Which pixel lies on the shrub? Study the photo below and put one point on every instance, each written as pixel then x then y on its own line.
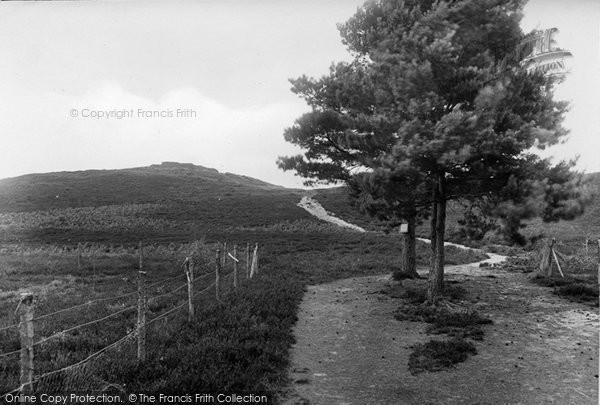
pixel 437 355
pixel 459 324
pixel 578 288
pixel 580 292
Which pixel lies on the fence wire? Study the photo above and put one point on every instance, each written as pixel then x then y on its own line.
pixel 91 372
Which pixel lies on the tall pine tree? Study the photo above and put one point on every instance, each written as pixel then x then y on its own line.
pixel 435 106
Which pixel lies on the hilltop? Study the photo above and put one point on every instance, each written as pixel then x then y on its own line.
pixel 168 181
pixel 165 202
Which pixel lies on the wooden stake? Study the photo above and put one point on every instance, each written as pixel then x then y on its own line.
pixel 587 240
pixel 189 272
pixel 26 328
pixel 224 258
pixel 94 268
pixel 79 256
pixel 557 263
pixel 141 324
pixel 218 274
pixel 141 257
pixel 235 269
pixel 254 266
pixel 247 261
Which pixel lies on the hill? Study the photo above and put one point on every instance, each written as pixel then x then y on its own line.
pixel 166 202
pixel 179 201
pixel 168 181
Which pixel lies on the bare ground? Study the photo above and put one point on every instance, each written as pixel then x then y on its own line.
pixel 541 348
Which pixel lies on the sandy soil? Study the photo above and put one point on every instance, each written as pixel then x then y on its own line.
pixel 541 349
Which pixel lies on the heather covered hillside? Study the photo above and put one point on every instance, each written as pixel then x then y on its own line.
pixel 570 232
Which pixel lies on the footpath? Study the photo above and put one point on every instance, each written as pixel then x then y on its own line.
pixel 349 349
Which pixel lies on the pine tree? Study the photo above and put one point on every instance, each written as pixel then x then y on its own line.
pixel 435 106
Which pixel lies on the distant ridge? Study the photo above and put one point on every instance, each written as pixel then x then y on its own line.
pixel 168 181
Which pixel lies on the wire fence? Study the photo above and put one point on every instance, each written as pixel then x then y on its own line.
pixel 88 372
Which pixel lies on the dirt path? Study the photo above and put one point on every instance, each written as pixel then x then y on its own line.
pixel 317 210
pixel 541 349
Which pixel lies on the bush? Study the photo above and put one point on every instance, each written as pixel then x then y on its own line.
pixel 437 355
pixel 445 318
pixel 459 324
pixel 578 289
pixel 416 313
pixel 580 292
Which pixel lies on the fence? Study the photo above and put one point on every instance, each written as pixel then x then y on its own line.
pixel 195 285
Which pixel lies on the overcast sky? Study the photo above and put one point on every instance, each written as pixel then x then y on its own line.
pixel 224 64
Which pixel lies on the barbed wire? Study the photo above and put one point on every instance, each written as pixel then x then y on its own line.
pixel 116 343
pixel 83 305
pixel 99 300
pixel 58 334
pixel 2 355
pixel 165 314
pixel 16 325
pixel 85 360
pixel 169 293
pixel 3 396
pixel 165 280
pixel 206 289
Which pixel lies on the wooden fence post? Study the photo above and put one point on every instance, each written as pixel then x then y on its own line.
pixel 189 272
pixel 26 328
pixel 556 260
pixel 141 257
pixel 94 268
pixel 79 256
pixel 22 254
pixel 546 263
pixel 247 260
pixel 224 257
pixel 586 244
pixel 235 269
pixel 141 324
pixel 218 273
pixel 254 267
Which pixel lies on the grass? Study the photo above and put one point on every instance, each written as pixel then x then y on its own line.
pixel 239 345
pixel 580 292
pixel 573 288
pixel 437 355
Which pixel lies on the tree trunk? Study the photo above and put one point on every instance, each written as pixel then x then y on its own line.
pixel 438 229
pixel 433 227
pixel 408 261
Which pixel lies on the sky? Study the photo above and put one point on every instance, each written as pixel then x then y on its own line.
pixel 116 84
